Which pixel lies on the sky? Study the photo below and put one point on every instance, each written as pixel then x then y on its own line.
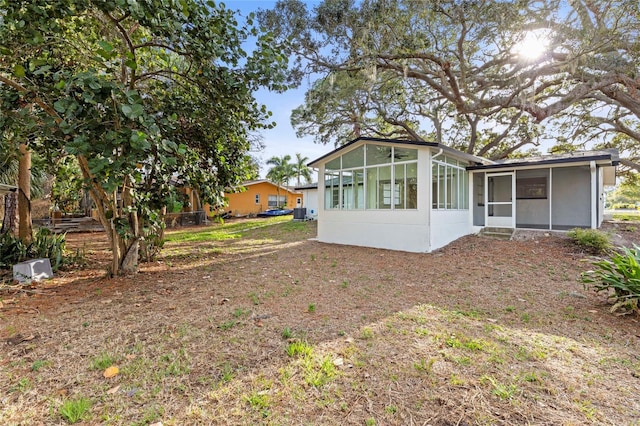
pixel 282 139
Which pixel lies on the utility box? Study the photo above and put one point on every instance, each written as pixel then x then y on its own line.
pixel 299 213
pixel 32 270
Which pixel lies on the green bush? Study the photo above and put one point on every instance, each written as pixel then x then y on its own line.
pixel 12 250
pixel 591 240
pixel 44 244
pixel 620 276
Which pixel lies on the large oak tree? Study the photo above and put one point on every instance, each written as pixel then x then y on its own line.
pixel 461 71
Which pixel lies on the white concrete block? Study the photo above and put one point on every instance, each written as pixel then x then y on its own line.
pixel 32 270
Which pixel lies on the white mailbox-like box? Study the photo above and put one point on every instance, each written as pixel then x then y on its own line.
pixel 32 270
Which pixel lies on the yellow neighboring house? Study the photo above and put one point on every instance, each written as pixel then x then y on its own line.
pixel 261 195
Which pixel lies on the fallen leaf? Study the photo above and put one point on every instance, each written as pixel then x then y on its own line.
pixel 338 362
pixel 113 390
pixel 156 424
pixel 129 357
pixel 111 371
pixel 259 323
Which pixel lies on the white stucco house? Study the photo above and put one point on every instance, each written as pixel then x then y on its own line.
pixel 309 199
pixel 419 196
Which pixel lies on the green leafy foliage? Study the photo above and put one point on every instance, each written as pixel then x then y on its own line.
pixel 146 96
pixel 44 244
pixel 439 74
pixel 620 277
pixel 591 240
pixel 75 410
pixel 12 250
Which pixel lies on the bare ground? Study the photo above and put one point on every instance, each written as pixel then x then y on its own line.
pixel 480 332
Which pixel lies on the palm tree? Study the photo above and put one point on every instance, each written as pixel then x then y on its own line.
pixel 301 169
pixel 280 173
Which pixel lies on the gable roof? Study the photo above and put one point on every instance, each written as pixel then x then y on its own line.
pixel 313 185
pixel 460 154
pixel 608 156
pixel 258 181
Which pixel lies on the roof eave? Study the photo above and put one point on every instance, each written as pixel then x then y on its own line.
pixel 469 157
pixel 605 159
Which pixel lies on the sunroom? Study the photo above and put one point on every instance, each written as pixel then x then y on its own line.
pixel 399 195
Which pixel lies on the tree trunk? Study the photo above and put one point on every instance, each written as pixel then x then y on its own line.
pixel 24 194
pixel 124 251
pixel 10 213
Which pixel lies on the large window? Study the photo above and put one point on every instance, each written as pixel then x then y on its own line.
pixel 273 201
pixel 450 184
pixel 372 176
pixel 531 188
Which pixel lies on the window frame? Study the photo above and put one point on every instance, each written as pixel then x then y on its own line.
pixel 353 183
pixel 449 179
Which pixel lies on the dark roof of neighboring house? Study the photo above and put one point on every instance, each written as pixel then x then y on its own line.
pixel 607 155
pixel 307 186
pixel 468 157
pixel 257 181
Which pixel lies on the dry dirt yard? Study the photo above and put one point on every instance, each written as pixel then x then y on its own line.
pixel 264 326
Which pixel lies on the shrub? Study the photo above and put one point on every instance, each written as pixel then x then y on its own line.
pixel 620 276
pixel 591 240
pixel 44 244
pixel 12 250
pixel 47 244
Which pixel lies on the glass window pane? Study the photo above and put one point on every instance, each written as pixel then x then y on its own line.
pixel 347 190
pixel 331 194
pixel 372 187
pixel 450 160
pixel 333 164
pixel 455 189
pixel 384 187
pixel 442 188
pixel 358 189
pixel 465 192
pixel 434 184
pixel 412 186
pixel 404 154
pixel 354 158
pixel 399 187
pixel 378 154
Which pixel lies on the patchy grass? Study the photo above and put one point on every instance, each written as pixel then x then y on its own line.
pixel 229 230
pixel 478 333
pixel 627 216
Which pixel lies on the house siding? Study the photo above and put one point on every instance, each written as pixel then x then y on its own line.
pixel 447 226
pixel 405 231
pixel 310 201
pixel 244 203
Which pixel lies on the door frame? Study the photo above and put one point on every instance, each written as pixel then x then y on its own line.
pixel 500 222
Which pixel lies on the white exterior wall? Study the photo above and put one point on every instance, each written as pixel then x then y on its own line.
pixel 394 230
pixel 449 225
pixel 405 230
pixel 310 201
